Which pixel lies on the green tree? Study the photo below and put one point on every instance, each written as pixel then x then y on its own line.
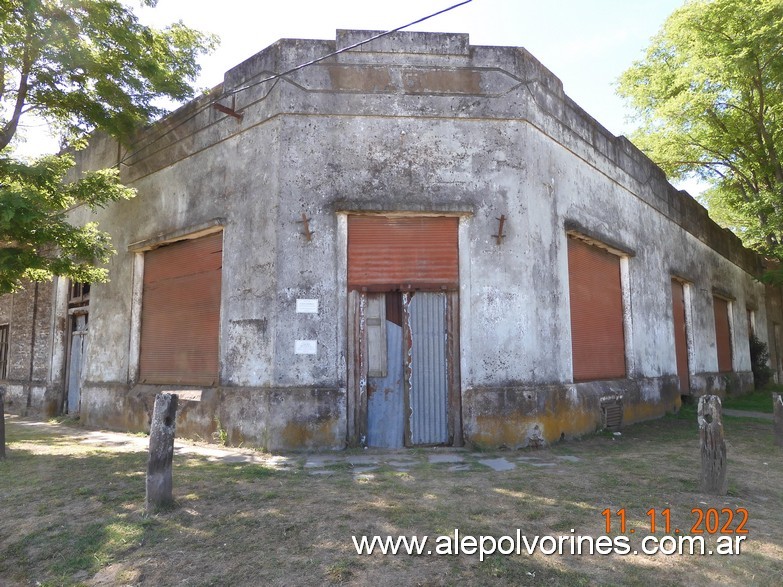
pixel 80 65
pixel 709 98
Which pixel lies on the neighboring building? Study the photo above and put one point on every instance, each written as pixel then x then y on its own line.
pixel 414 242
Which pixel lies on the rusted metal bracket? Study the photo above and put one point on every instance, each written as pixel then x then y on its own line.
pixel 227 110
pixel 500 236
pixel 306 222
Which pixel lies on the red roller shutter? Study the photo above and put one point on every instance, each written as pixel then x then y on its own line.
pixel 680 335
pixel 597 338
pixel 180 315
pixel 388 253
pixel 722 334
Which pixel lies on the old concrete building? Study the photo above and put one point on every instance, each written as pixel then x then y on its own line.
pixel 414 242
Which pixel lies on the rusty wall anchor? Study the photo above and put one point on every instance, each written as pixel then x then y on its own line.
pixel 306 222
pixel 227 110
pixel 500 236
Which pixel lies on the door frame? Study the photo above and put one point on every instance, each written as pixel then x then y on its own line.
pixel 685 387
pixel 358 369
pixel 352 329
pixel 73 314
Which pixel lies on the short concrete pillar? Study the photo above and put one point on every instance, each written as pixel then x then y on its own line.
pixel 159 465
pixel 2 422
pixel 713 446
pixel 777 417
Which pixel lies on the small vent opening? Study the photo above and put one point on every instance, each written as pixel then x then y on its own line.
pixel 612 413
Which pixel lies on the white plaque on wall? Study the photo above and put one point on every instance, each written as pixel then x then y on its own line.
pixel 305 347
pixel 306 306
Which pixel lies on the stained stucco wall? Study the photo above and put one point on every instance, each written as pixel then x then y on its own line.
pixel 414 123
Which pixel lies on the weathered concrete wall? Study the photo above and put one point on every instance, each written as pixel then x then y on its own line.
pixel 504 155
pixel 525 416
pixel 413 123
pixel 300 418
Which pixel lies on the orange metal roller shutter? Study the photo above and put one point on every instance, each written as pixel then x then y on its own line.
pixel 180 315
pixel 722 334
pixel 388 253
pixel 597 338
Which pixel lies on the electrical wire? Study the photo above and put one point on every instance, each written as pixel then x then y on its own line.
pixel 278 76
pixel 344 49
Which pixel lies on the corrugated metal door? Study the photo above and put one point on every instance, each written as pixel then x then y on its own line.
pixel 428 387
pixel 722 334
pixel 180 315
pixel 680 335
pixel 385 389
pixel 400 253
pixel 597 337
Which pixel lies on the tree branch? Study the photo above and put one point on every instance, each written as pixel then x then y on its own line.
pixel 9 129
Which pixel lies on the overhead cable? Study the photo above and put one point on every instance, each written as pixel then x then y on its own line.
pixel 344 49
pixel 278 76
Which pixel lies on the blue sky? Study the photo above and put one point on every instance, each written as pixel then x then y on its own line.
pixel 586 43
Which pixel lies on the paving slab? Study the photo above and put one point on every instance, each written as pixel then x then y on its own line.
pixel 363 459
pixel 568 458
pixel 499 464
pixel 317 461
pixel 435 459
pixel 401 464
pixel 362 470
pixel 463 467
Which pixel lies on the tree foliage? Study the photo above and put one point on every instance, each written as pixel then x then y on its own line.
pixel 709 97
pixel 81 65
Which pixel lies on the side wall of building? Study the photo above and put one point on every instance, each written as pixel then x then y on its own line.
pixel 36 356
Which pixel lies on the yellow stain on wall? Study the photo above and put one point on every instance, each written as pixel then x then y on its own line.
pixel 296 435
pixel 562 417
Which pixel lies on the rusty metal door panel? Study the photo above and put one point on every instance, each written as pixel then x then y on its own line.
pixel 180 315
pixel 78 339
pixel 428 383
pixel 597 336
pixel 385 396
pixel 722 334
pixel 680 335
pixel 399 253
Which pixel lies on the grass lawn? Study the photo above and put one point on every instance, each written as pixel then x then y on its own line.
pixel 72 513
pixel 758 401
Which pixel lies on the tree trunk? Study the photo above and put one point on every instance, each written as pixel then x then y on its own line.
pixel 159 466
pixel 777 408
pixel 713 446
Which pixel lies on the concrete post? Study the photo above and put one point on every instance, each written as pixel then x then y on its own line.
pixel 777 410
pixel 2 422
pixel 713 446
pixel 159 466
